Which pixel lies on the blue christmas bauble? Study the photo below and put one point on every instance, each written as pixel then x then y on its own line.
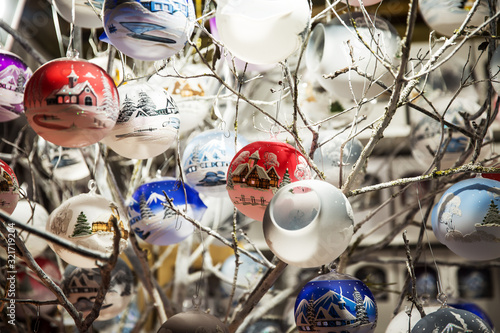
pixel 451 320
pixel 467 220
pixel 335 302
pixel 206 159
pixel 153 219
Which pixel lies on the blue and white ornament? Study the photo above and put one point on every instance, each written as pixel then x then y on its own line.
pixel 451 320
pixel 151 216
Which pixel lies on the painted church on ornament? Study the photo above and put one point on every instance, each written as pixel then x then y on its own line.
pixel 254 175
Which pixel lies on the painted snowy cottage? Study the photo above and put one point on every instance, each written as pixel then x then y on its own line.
pixel 73 93
pixel 254 175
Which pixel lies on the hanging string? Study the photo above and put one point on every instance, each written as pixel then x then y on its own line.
pixel 275 130
pixel 57 27
pixel 71 52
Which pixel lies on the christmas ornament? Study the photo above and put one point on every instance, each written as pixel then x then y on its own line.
pixel 406 319
pixel 14 74
pixel 153 219
pixel 148 30
pixel 430 134
pixel 467 221
pixel 148 122
pixel 335 46
pixel 206 159
pixel 193 321
pixel 261 31
pixel 335 302
pixel 312 213
pixel 258 170
pixel 357 3
pixel 36 216
pixel 249 274
pixel 9 188
pixel 451 320
pixel 87 220
pixel 473 308
pixel 446 16
pixel 71 103
pixel 87 13
pixel 80 285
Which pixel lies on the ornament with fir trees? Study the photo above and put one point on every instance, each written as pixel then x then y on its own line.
pixel 9 188
pixel 87 220
pixel 148 122
pixel 154 220
pixel 335 302
pixel 71 103
pixel 447 319
pixel 467 220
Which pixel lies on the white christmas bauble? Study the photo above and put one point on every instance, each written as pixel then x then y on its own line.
pixel 148 30
pixel 334 47
pixel 262 31
pixel 148 122
pixel 86 220
pixel 87 12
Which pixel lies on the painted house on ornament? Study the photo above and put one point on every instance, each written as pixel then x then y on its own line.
pixel 73 93
pixel 6 183
pixel 254 175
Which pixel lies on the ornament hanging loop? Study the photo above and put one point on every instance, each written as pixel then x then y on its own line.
pixel 72 53
pixel 92 186
pixel 443 299
pixel 196 302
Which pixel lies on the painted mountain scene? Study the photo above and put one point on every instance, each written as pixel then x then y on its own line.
pixel 13 76
pixel 71 103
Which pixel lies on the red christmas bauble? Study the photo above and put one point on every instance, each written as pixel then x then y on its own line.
pixel 258 170
pixel 71 103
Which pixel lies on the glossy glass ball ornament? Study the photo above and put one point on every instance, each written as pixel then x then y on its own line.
pixel 206 158
pixel 335 302
pixel 429 134
pixel 467 221
pixel 249 274
pixel 262 31
pixel 329 50
pixel 357 3
pixel 313 213
pixel 148 30
pixel 193 322
pixel 86 220
pixel 451 320
pixel 80 285
pixel 258 170
pixel 148 122
pixel 9 188
pixel 471 307
pixel 71 103
pixel 402 321
pixel 151 216
pixel 14 74
pixel 446 16
pixel 87 13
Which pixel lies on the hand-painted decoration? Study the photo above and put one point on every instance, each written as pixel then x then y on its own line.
pixel 471 307
pixel 428 133
pixel 87 220
pixel 334 46
pixel 312 213
pixel 71 103
pixel 87 12
pixel 249 274
pixel 258 170
pixel 406 319
pixel 262 32
pixel 206 160
pixel 154 220
pixel 81 285
pixel 14 74
pixel 148 122
pixel 467 219
pixel 451 320
pixel 148 30
pixel 337 303
pixel 193 321
pixel 446 16
pixel 9 188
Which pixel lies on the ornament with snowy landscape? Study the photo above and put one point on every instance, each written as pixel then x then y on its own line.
pixel 14 74
pixel 87 220
pixel 148 122
pixel 206 159
pixel 154 220
pixel 71 103
pixel 337 303
pixel 9 188
pixel 467 220
pixel 258 170
pixel 448 320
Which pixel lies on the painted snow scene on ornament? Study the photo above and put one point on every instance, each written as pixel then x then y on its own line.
pixel 14 74
pixel 154 220
pixel 148 122
pixel 9 188
pixel 71 103
pixel 258 170
pixel 336 306
pixel 449 320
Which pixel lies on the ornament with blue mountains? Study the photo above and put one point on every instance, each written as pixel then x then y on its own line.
pixel 154 220
pixel 335 303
